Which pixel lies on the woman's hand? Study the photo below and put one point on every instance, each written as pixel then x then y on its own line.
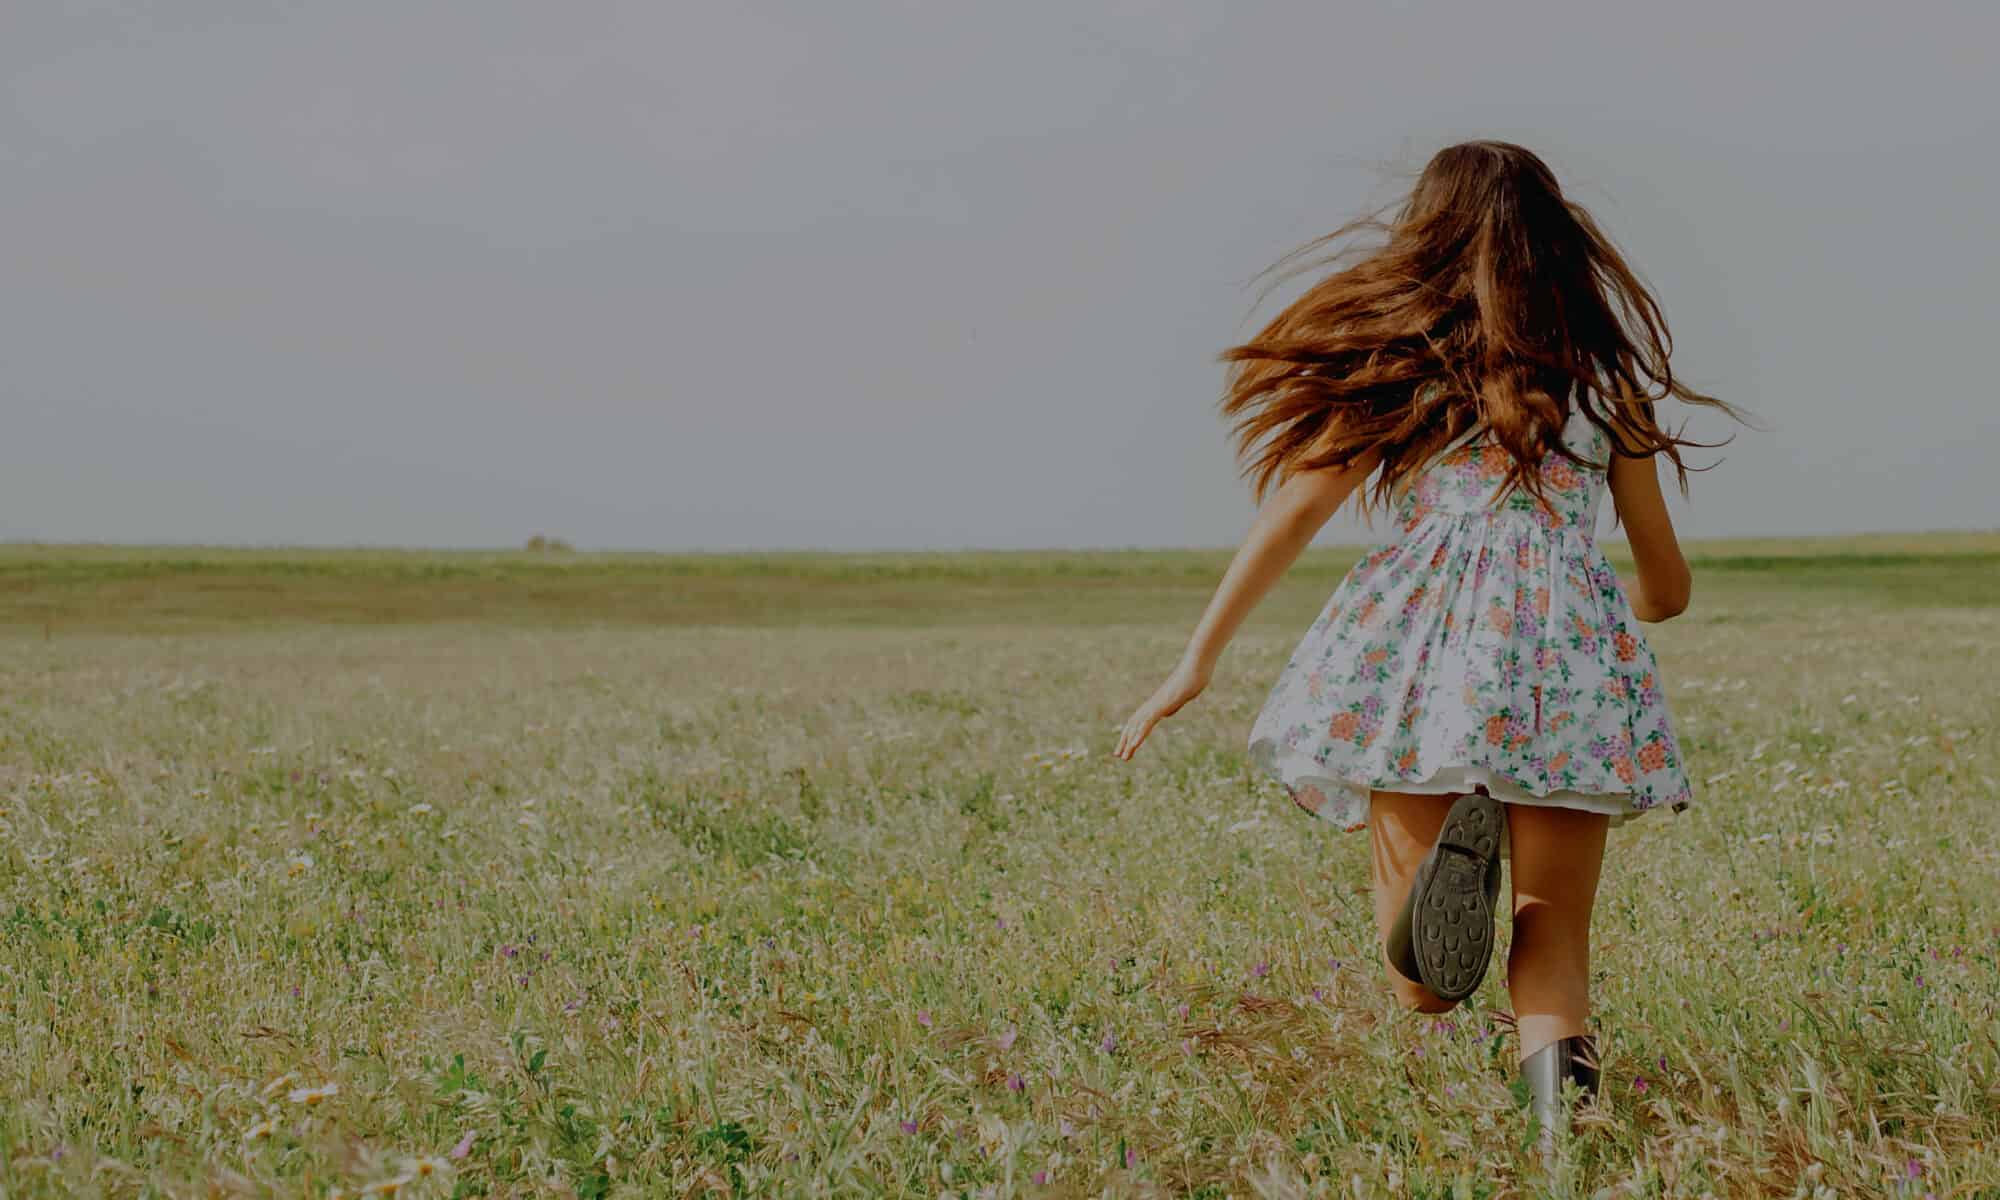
pixel 1284 525
pixel 1183 685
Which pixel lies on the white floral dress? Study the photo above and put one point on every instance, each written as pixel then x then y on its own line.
pixel 1489 644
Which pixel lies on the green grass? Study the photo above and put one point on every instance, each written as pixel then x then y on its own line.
pixel 67 589
pixel 775 875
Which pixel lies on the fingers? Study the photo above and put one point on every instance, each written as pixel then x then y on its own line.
pixel 1134 734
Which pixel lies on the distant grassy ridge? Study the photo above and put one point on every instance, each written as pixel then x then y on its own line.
pixel 158 589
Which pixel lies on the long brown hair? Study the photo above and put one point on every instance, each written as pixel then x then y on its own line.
pixel 1491 287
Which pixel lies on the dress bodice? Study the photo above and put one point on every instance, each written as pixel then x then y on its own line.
pixel 1467 479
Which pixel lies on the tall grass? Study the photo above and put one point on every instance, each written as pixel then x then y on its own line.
pixel 475 897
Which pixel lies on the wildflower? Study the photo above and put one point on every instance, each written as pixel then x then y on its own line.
pixel 389 1187
pixel 924 1017
pixel 1639 1083
pixel 1109 1043
pixel 1318 994
pixel 1006 1040
pixel 1015 1083
pixel 1912 1169
pixel 464 1146
pixel 1041 1177
pixel 1065 1128
pixel 419 809
pixel 300 863
pixel 278 1085
pixel 1262 969
pixel 261 1129
pixel 909 1126
pixel 1131 1158
pixel 427 1166
pixel 310 1096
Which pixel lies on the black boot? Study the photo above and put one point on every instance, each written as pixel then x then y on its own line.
pixel 1443 935
pixel 1573 1058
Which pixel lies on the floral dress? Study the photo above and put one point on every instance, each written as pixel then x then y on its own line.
pixel 1488 644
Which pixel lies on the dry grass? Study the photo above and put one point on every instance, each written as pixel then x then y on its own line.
pixel 862 905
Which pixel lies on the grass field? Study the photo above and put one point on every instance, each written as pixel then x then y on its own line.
pixel 507 875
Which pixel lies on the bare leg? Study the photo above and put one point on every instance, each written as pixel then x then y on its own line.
pixel 1402 827
pixel 1558 855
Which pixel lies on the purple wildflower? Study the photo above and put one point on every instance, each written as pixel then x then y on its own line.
pixel 464 1146
pixel 924 1017
pixel 1006 1040
pixel 909 1127
pixel 1639 1083
pixel 1109 1043
pixel 1015 1083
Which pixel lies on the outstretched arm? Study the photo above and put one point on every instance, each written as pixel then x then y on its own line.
pixel 1664 578
pixel 1285 525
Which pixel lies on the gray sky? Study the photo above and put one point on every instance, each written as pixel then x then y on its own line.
pixel 697 275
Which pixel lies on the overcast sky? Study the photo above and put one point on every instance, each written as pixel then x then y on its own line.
pixel 689 275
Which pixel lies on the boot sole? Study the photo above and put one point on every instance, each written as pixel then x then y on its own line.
pixel 1452 921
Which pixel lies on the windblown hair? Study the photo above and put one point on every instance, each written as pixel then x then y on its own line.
pixel 1494 298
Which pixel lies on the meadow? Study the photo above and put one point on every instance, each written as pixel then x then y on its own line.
pixel 455 874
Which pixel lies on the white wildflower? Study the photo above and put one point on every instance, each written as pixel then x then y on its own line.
pixel 310 1096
